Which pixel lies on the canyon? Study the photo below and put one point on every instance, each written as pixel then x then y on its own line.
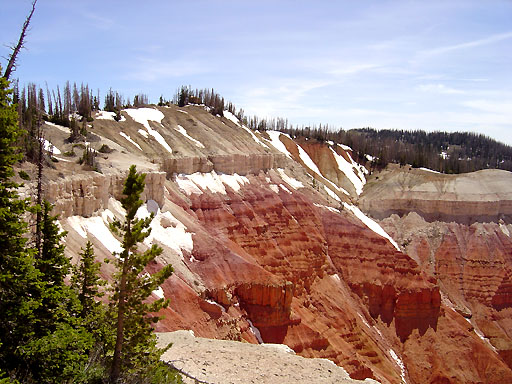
pixel 401 275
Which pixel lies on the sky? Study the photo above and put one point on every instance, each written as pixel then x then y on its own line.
pixel 432 65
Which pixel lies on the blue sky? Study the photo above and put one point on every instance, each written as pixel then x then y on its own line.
pixel 433 65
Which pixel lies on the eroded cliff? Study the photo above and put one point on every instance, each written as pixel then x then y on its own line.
pixel 268 246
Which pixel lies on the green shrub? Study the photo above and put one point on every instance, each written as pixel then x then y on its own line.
pixel 24 175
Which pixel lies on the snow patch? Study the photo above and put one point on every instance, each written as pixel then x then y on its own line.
pixel 331 209
pixel 228 115
pixel 108 216
pixel 278 144
pixel 104 115
pixel 143 133
pixel 254 137
pixel 274 188
pixel 97 227
pixel 400 364
pixel 345 147
pixel 117 206
pixel 234 181
pixel 312 166
pixel 255 331
pixel 183 131
pixel 174 236
pixel 332 194
pixel 363 320
pixel 294 183
pixel 185 112
pixel 429 170
pixel 216 304
pixel 285 189
pixel 59 127
pixel 51 148
pixel 374 226
pixel 130 140
pixel 358 181
pixel 307 160
pixel 187 185
pixel 504 229
pixel 144 116
pixel 63 159
pixel 159 292
pixel 199 182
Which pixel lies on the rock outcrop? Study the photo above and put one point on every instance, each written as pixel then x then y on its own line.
pixel 483 196
pixel 85 194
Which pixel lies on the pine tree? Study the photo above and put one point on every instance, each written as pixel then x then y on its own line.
pixel 86 280
pixel 135 348
pixel 18 277
pixel 58 350
pixel 88 284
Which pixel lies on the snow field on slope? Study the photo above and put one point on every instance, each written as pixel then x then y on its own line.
pixel 429 170
pixel 50 147
pixel 104 115
pixel 228 115
pixel 198 182
pixel 332 194
pixel 183 131
pixel 97 227
pixel 400 364
pixel 373 225
pixel 358 181
pixel 144 116
pixel 130 139
pixel 278 144
pixel 294 183
pixel 172 234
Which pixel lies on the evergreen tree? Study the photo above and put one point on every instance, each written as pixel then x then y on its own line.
pixel 87 284
pixel 86 280
pixel 135 349
pixel 18 277
pixel 59 350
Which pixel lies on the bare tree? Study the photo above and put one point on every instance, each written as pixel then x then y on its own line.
pixel 11 65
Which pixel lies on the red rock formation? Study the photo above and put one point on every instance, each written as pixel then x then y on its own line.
pixel 473 265
pixel 326 316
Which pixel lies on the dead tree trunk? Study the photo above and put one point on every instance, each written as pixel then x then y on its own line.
pixel 11 65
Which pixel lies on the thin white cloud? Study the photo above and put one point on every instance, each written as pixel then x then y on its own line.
pixel 99 21
pixel 286 95
pixel 497 107
pixel 152 69
pixel 439 88
pixel 470 44
pixel 352 69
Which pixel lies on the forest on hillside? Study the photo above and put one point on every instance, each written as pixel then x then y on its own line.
pixel 446 152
